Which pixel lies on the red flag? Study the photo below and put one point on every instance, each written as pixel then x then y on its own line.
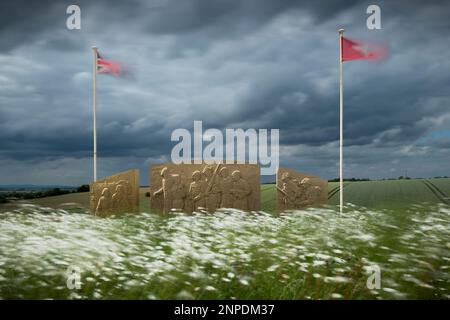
pixel 108 66
pixel 362 50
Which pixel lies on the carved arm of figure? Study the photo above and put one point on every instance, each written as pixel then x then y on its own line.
pixel 100 205
pixel 247 190
pixel 285 194
pixel 159 191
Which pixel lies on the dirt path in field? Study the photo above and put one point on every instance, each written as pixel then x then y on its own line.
pixel 336 190
pixel 436 191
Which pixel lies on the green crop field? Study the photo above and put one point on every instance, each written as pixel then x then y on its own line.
pixel 402 227
pixel 387 194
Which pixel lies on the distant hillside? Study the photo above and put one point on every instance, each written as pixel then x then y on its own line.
pixel 31 187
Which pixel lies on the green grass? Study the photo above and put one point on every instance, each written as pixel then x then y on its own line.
pixel 401 226
pixel 314 254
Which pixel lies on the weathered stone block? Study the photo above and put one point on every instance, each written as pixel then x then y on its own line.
pixel 115 194
pixel 297 190
pixel 205 187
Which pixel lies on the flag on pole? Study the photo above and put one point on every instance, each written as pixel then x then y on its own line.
pixel 100 66
pixel 108 66
pixel 362 50
pixel 352 50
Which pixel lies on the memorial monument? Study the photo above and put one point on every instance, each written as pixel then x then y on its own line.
pixel 204 187
pixel 297 190
pixel 115 194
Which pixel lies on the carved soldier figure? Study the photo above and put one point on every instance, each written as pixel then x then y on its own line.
pixel 298 193
pixel 311 193
pixel 126 187
pixel 115 194
pixel 241 191
pixel 164 190
pixel 104 202
pixel 212 190
pixel 225 186
pixel 178 192
pixel 196 190
pixel 120 198
pixel 289 190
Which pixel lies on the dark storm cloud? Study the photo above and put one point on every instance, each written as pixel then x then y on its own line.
pixel 22 20
pixel 230 16
pixel 230 63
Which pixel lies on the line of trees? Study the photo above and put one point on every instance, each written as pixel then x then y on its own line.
pixel 349 179
pixel 384 179
pixel 20 195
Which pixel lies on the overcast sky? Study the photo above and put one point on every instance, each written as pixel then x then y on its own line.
pixel 232 64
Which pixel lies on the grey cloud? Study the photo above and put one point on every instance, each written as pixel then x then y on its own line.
pixel 262 64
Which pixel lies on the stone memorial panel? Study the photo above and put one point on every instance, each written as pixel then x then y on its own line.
pixel 115 194
pixel 204 187
pixel 297 190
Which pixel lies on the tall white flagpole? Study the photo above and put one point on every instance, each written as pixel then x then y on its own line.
pixel 341 127
pixel 94 106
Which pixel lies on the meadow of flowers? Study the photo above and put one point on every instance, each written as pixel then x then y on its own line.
pixel 310 254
